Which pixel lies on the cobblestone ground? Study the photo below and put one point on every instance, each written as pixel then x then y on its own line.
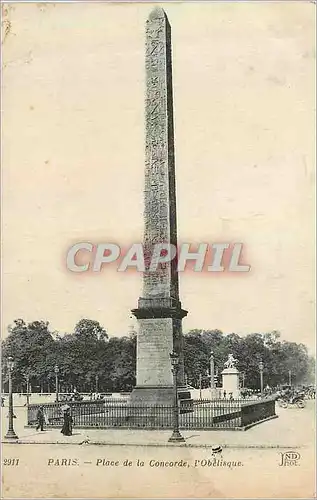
pixel 147 468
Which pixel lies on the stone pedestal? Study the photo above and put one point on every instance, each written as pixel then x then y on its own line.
pixel 158 336
pixel 230 382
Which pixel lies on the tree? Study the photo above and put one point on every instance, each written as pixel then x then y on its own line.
pixel 121 363
pixel 85 350
pixel 89 330
pixel 29 345
pixel 195 357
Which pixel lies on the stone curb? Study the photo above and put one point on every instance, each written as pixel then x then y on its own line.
pixel 162 445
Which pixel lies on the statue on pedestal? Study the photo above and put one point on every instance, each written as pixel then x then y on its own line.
pixel 230 378
pixel 231 362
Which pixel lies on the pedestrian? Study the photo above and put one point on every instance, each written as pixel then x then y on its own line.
pixel 224 394
pixel 46 419
pixel 2 401
pixel 40 419
pixel 67 428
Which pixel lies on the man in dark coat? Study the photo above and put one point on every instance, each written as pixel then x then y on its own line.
pixel 40 419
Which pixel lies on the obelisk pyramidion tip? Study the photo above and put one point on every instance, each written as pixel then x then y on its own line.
pixel 157 13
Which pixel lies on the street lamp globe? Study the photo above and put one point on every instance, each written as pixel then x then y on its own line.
pixel 174 359
pixel 261 365
pixel 56 369
pixel 10 363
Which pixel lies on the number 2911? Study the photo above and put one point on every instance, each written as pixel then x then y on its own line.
pixel 11 461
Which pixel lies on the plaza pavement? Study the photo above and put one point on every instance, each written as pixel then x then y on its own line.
pixel 294 428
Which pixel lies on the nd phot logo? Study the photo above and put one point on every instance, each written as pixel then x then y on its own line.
pixel 289 459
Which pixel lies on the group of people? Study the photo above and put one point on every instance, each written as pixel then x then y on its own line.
pixel 95 396
pixel 228 396
pixel 75 396
pixel 289 391
pixel 307 391
pixel 68 421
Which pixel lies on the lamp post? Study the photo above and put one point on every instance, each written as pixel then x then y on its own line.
pixel 212 371
pixel 10 433
pixel 289 377
pixel 27 389
pixel 261 366
pixel 200 385
pixel 96 383
pixel 56 370
pixel 176 435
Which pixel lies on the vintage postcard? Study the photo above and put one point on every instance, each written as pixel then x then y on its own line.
pixel 158 173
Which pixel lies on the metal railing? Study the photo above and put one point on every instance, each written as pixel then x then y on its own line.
pixel 201 414
pixel 53 412
pixel 257 411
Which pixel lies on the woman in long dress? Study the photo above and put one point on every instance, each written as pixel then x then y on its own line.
pixel 67 428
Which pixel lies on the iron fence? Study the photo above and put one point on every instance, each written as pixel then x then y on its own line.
pixel 200 414
pixel 53 412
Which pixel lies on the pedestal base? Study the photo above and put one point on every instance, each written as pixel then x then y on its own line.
pixel 158 395
pixel 176 437
pixel 152 395
pixel 230 383
pixel 11 435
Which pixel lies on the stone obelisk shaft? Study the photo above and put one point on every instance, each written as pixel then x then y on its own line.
pixel 159 310
pixel 160 197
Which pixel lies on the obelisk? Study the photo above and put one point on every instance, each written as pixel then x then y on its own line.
pixel 159 311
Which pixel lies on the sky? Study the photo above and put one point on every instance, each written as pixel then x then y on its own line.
pixel 73 159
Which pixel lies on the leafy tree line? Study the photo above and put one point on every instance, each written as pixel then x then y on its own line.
pixel 89 360
pixel 281 359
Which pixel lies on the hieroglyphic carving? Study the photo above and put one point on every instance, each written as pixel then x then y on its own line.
pixel 159 214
